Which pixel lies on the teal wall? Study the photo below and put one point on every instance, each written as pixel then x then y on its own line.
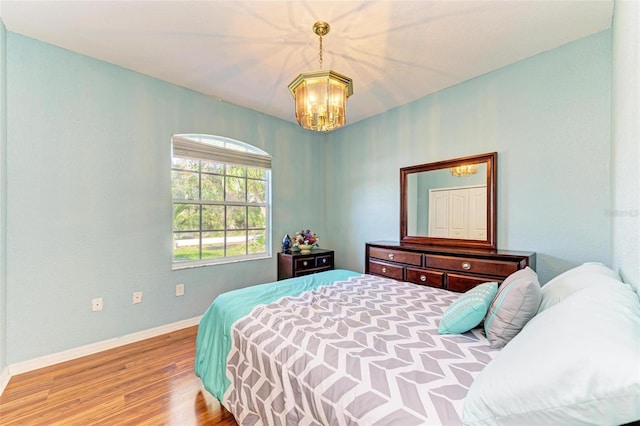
pixel 547 117
pixel 3 200
pixel 89 201
pixel 89 206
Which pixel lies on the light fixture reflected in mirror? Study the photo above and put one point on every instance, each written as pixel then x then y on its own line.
pixel 321 96
pixel 464 170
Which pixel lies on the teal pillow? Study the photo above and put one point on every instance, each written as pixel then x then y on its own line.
pixel 469 310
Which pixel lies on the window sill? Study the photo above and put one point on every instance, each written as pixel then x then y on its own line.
pixel 178 266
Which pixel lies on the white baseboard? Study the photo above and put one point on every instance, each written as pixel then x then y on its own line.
pixel 4 379
pixel 56 358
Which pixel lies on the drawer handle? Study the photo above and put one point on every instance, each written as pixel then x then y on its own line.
pixel 324 260
pixel 466 266
pixel 423 278
pixel 391 256
pixel 304 263
pixel 384 269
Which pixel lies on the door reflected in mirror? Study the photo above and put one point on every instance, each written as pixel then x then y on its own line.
pixel 451 202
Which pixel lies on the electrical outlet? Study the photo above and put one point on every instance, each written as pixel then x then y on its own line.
pixel 137 297
pixel 96 304
pixel 180 290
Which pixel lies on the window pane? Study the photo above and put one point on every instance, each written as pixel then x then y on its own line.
pixel 184 185
pixel 257 242
pixel 236 189
pixel 211 167
pixel 256 191
pixel 257 217
pixel 185 164
pixel 236 217
pixel 256 173
pixel 212 218
pixel 186 246
pixel 212 244
pixel 212 187
pixel 233 170
pixel 186 217
pixel 236 243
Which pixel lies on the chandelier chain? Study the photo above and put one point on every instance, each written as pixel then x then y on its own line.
pixel 320 52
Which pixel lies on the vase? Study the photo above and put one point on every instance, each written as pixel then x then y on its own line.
pixel 305 248
pixel 286 243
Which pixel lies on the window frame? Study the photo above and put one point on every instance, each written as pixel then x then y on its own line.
pixel 226 152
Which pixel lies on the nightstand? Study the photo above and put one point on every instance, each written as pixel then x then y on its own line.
pixel 295 264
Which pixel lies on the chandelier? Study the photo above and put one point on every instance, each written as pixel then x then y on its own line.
pixel 321 96
pixel 464 170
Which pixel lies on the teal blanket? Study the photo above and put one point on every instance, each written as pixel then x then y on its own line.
pixel 214 332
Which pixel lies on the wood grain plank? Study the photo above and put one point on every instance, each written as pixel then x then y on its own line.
pixel 150 382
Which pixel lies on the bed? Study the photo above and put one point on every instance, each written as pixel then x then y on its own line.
pixel 341 347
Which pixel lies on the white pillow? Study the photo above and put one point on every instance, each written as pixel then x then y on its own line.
pixel 578 363
pixel 564 285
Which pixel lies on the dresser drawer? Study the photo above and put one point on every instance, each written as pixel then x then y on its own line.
pixel 462 283
pixel 425 277
pixel 388 270
pixel 303 263
pixel 396 256
pixel 499 268
pixel 324 261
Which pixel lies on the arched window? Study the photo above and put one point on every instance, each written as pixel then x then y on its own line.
pixel 221 191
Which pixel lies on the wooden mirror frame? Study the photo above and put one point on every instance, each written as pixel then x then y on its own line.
pixel 491 160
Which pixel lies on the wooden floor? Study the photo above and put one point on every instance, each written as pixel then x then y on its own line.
pixel 150 382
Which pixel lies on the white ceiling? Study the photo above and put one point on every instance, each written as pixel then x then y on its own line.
pixel 247 52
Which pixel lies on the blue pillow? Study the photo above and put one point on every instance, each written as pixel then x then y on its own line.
pixel 469 310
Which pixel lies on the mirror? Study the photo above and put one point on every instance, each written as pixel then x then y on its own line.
pixel 450 203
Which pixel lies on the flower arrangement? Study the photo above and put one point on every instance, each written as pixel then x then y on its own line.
pixel 305 237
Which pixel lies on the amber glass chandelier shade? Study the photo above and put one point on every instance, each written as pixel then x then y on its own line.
pixel 321 99
pixel 321 96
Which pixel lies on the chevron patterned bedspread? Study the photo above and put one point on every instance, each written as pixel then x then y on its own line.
pixel 365 351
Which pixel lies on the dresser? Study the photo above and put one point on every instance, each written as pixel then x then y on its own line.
pixel 449 268
pixel 295 264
